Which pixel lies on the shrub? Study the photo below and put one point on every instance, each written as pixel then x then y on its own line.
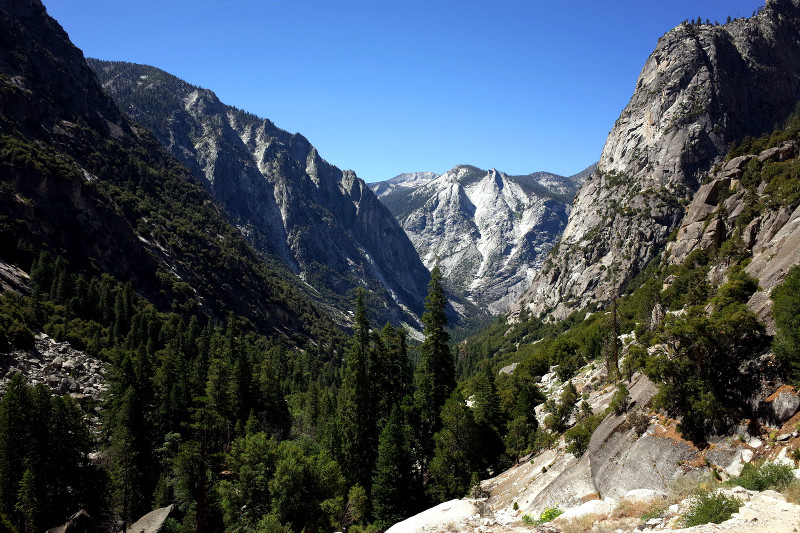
pixel 765 476
pixel 549 514
pixel 20 336
pixel 792 492
pixel 713 507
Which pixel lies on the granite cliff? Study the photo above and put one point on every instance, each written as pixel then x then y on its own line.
pixel 488 231
pixel 289 203
pixel 703 88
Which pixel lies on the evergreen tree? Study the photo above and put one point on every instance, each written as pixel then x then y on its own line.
pixel 15 428
pixel 561 411
pixel 391 376
pixel 435 378
pixel 486 412
pixel 129 457
pixel 28 504
pixel 786 310
pixel 392 482
pixel 356 409
pixel 456 457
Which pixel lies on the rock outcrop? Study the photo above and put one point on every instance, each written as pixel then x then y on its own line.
pixel 489 232
pixel 324 223
pixel 704 87
pixel 750 213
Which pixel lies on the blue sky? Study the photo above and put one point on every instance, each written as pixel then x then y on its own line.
pixel 384 87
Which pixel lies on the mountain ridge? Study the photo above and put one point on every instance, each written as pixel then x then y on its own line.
pixel 286 200
pixel 487 230
pixel 82 180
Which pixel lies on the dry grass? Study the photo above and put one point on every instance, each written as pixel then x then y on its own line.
pixel 684 486
pixel 579 524
pixel 792 492
pixel 595 524
pixel 636 508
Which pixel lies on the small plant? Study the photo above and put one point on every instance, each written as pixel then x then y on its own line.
pixel 516 506
pixel 657 512
pixel 792 492
pixel 711 508
pixel 764 476
pixel 795 455
pixel 550 514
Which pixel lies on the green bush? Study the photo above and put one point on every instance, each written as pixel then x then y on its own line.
pixel 764 476
pixel 711 508
pixel 551 513
pixel 548 515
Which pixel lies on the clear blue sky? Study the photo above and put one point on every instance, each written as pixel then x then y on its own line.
pixel 384 87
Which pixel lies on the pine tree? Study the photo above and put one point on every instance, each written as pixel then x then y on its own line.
pixel 392 482
pixel 486 412
pixel 356 409
pixel 456 453
pixel 15 428
pixel 435 378
pixel 28 504
pixel 391 375
pixel 129 456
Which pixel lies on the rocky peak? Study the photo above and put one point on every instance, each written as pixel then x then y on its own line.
pixel 284 197
pixel 487 230
pixel 703 87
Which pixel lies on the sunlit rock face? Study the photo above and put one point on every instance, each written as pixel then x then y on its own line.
pixel 324 223
pixel 703 87
pixel 489 232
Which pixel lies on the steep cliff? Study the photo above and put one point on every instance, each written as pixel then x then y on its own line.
pixel 702 88
pixel 326 224
pixel 488 231
pixel 79 179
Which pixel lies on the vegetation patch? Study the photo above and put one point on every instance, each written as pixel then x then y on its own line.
pixel 711 508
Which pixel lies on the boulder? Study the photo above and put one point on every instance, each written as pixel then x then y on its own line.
pixel 153 521
pixel 785 405
pixel 80 522
pixel 598 508
pixel 444 513
pixel 737 163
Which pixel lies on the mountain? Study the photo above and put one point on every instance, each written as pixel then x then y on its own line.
pixel 703 88
pixel 488 231
pixel 408 180
pixel 288 202
pixel 79 179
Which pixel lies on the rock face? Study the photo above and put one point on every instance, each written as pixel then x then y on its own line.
pixel 83 181
pixel 702 88
pixel 488 231
pixel 324 223
pixel 753 213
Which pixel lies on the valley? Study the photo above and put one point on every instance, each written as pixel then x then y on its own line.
pixel 206 326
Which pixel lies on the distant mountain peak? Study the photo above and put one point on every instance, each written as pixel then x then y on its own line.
pixel 488 231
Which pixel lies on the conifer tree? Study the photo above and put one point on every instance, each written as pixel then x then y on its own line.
pixel 486 412
pixel 435 378
pixel 456 453
pixel 393 479
pixel 356 420
pixel 28 504
pixel 391 375
pixel 15 428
